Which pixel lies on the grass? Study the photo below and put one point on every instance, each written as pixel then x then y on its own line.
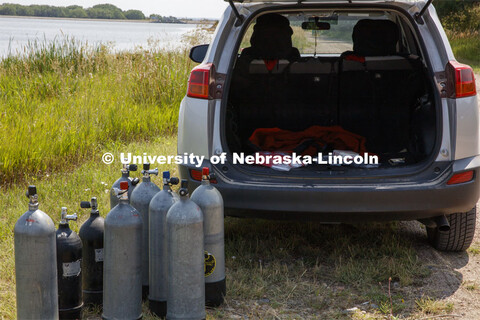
pixel 470 286
pixel 92 178
pixel 62 101
pixel 463 30
pixel 431 306
pixel 474 249
pixel 63 104
pixel 274 269
pixel 466 48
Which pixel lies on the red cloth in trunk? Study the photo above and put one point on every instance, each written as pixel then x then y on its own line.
pixel 275 139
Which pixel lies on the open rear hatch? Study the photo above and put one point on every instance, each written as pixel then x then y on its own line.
pixel 374 100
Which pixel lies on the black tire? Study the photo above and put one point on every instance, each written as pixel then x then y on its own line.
pixel 460 235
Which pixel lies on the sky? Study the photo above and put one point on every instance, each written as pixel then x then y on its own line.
pixel 176 8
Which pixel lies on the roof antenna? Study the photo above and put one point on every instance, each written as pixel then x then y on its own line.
pixel 418 15
pixel 240 18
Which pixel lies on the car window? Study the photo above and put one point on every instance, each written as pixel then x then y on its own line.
pixel 310 42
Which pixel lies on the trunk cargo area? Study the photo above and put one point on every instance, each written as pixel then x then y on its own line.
pixel 385 99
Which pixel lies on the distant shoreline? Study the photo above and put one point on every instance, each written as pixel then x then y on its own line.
pixel 92 19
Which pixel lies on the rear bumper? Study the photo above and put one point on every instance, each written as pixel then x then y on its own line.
pixel 349 203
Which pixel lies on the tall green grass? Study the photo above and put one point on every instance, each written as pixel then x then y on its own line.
pixel 91 178
pixel 61 101
pixel 462 24
pixel 300 270
pixel 466 48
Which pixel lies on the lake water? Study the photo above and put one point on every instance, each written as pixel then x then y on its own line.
pixel 15 32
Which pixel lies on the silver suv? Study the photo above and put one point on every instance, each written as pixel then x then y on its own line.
pixel 325 78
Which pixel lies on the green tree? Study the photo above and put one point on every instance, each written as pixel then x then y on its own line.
pixel 105 11
pixel 23 10
pixel 134 15
pixel 447 7
pixel 73 7
pixel 45 11
pixel 155 17
pixel 459 16
pixel 99 11
pixel 77 13
pixel 8 9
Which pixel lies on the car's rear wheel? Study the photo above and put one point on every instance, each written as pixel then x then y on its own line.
pixel 460 235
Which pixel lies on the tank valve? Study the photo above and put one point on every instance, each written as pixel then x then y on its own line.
pixel 32 195
pixel 184 188
pixel 90 204
pixel 65 217
pixel 205 173
pixel 32 190
pixel 146 170
pixel 169 181
pixel 129 167
pixel 119 192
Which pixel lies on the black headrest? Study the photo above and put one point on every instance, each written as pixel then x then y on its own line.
pixel 375 38
pixel 272 37
pixel 273 19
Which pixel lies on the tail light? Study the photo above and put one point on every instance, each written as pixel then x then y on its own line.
pixel 461 81
pixel 200 83
pixel 196 174
pixel 461 177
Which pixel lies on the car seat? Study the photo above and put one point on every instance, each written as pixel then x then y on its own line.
pixel 378 86
pixel 259 86
pixel 271 40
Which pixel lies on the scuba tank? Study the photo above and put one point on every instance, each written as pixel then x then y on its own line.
pixel 140 200
pixel 157 213
pixel 122 278
pixel 69 269
pixel 186 280
pixel 209 199
pixel 125 177
pixel 91 234
pixel 35 263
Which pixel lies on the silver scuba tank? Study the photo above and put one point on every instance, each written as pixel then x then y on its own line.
pixel 35 263
pixel 209 199
pixel 69 269
pixel 122 267
pixel 140 200
pixel 91 234
pixel 186 280
pixel 125 177
pixel 157 213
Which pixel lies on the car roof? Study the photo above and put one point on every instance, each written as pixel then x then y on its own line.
pixel 420 4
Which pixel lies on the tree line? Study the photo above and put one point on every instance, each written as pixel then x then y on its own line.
pixel 459 15
pixel 99 11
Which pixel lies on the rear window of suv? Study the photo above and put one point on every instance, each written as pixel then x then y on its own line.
pixel 334 41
